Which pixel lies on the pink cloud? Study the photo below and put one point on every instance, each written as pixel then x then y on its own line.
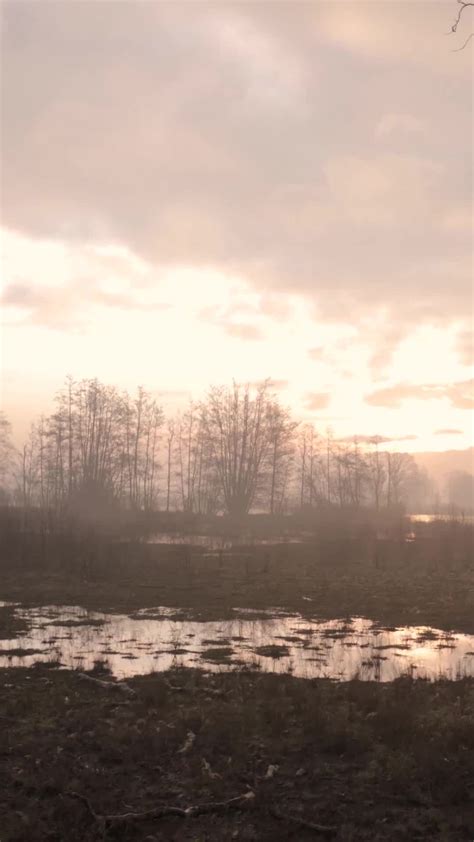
pixel 317 400
pixel 460 395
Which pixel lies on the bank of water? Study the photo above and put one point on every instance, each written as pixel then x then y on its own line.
pixel 160 638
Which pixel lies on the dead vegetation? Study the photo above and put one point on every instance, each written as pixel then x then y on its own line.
pixel 429 581
pixel 245 756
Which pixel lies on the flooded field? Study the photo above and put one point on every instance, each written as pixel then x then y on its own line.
pixel 157 639
pixel 219 542
pixel 430 518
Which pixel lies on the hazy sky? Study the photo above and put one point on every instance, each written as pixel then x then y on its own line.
pixel 198 191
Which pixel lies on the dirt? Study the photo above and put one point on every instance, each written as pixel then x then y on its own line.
pixel 407 584
pixel 272 651
pixel 11 626
pixel 352 762
pixel 362 760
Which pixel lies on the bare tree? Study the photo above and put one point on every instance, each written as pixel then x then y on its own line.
pixel 376 472
pixel 238 430
pixel 143 422
pixel 311 474
pixel 7 455
pixel 463 5
pixel 236 449
pixel 400 470
pixel 98 448
pixel 281 434
pixel 187 443
pixel 328 464
pixel 303 454
pixel 170 432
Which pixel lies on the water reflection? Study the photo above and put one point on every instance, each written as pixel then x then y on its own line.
pixel 454 518
pixel 156 639
pixel 219 542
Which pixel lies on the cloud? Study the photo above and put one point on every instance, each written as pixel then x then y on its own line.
pixel 317 353
pixel 278 385
pixel 317 400
pixel 244 331
pixel 465 346
pixel 395 123
pixel 460 395
pixel 447 431
pixel 207 135
pixel 275 306
pixel 68 306
pixel 414 37
pixel 229 317
pixel 377 439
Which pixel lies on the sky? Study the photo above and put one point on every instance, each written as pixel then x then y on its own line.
pixel 194 192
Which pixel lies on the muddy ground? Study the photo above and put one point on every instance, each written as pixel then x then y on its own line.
pixel 396 583
pixel 305 759
pixel 349 762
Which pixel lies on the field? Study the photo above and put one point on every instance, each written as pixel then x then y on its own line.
pixel 189 755
pixel 428 581
pixel 305 760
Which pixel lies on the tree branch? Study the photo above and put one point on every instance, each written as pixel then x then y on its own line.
pixel 463 4
pixel 121 687
pixel 107 821
pixel 466 42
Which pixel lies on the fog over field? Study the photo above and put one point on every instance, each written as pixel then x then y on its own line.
pixel 236 421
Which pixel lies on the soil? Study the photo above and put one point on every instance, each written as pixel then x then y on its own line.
pixel 405 584
pixel 361 761
pixel 304 759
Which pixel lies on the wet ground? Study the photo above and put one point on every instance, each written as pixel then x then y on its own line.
pixel 384 759
pixel 221 542
pixel 157 639
pixel 185 756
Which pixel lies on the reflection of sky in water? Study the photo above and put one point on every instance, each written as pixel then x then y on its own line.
pixel 455 518
pixel 219 542
pixel 153 639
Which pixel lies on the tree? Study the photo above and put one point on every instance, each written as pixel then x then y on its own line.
pixel 238 430
pixel 98 448
pixel 400 471
pixel 7 454
pixel 281 434
pixel 310 474
pixel 143 422
pixel 170 431
pixel 376 472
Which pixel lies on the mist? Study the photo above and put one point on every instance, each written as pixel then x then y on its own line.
pixel 236 416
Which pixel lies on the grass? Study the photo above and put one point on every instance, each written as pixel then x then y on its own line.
pixel 10 625
pixel 426 582
pixel 373 762
pixel 365 761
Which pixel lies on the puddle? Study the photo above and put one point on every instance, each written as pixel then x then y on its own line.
pixel 219 542
pixel 461 518
pixel 156 639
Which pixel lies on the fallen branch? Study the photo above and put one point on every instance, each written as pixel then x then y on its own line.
pixel 107 821
pixel 323 829
pixel 108 685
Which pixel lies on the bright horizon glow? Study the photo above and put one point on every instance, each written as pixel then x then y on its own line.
pixel 192 329
pixel 198 194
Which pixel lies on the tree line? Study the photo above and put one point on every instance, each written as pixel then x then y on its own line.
pixel 237 450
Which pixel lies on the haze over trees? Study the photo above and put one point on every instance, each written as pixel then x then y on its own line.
pixel 7 456
pixel 237 450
